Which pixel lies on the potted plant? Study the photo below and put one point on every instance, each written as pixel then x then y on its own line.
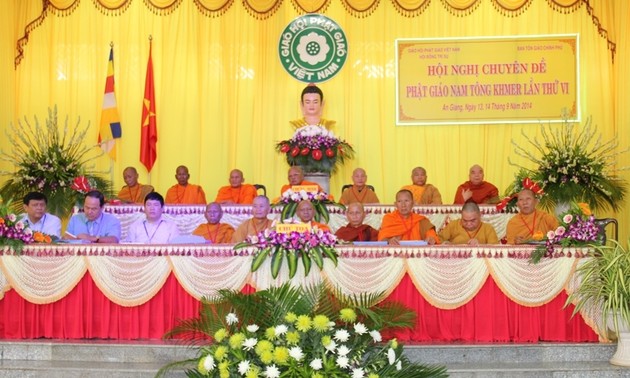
pixel 603 287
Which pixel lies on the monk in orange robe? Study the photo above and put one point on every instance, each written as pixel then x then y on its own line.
pixel 133 192
pixel 214 231
pixel 423 193
pixel 469 229
pixel 259 222
pixel 355 230
pixel 359 192
pixel 475 189
pixel 404 224
pixel 305 212
pixel 236 192
pixel 296 177
pixel 530 223
pixel 183 192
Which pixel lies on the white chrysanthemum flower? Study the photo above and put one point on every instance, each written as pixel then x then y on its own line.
pixel 360 328
pixel 376 336
pixel 208 363
pixel 316 364
pixel 391 356
pixel 358 373
pixel 296 353
pixel 332 346
pixel 342 335
pixel 281 329
pixel 243 367
pixel 272 371
pixel 253 328
pixel 343 350
pixel 343 362
pixel 231 318
pixel 399 365
pixel 250 343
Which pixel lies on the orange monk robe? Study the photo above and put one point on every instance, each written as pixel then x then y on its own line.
pixel 215 233
pixel 455 233
pixel 321 226
pixel 244 194
pixel 536 224
pixel 248 228
pixel 351 195
pixel 426 194
pixel 482 193
pixel 189 195
pixel 415 227
pixel 134 194
pixel 363 232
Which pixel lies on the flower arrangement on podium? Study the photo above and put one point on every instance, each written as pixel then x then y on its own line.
pixel 576 228
pixel 315 149
pixel 51 162
pixel 287 331
pixel 290 199
pixel 293 242
pixel 14 232
pixel 574 165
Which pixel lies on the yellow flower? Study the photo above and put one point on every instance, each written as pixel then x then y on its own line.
pixel 263 346
pixel 394 343
pixel 266 357
pixel 586 210
pixel 326 340
pixel 303 323
pixel 281 355
pixel 220 352
pixel 320 323
pixel 538 235
pixel 253 372
pixel 373 375
pixel 220 335
pixel 293 337
pixel 290 317
pixel 224 372
pixel 270 333
pixel 317 375
pixel 347 315
pixel 236 340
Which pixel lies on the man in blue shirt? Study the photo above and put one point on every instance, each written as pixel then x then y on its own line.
pixel 93 225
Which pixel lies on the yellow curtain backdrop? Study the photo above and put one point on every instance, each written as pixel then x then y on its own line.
pixel 223 99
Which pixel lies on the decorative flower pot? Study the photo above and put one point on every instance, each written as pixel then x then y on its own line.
pixel 321 178
pixel 622 354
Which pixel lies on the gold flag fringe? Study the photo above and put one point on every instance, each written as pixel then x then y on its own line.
pixel 300 9
pixel 566 9
pixel 261 14
pixel 19 46
pixel 112 11
pixel 213 12
pixel 162 11
pixel 360 13
pixel 411 12
pixel 63 11
pixel 511 11
pixel 612 46
pixel 461 12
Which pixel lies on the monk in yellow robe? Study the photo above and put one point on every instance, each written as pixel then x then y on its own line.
pixel 356 230
pixel 133 191
pixel 530 223
pixel 305 212
pixel 423 193
pixel 296 177
pixel 183 192
pixel 476 189
pixel 404 224
pixel 258 223
pixel 469 229
pixel 359 192
pixel 214 231
pixel 237 192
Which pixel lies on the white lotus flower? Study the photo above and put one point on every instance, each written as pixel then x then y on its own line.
pixel 313 48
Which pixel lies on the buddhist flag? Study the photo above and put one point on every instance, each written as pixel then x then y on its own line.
pixel 110 129
pixel 148 134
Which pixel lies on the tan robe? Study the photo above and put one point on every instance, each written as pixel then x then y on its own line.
pixel 533 226
pixel 455 233
pixel 215 233
pixel 351 195
pixel 426 194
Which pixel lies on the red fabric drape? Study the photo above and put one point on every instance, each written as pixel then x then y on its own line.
pixel 85 313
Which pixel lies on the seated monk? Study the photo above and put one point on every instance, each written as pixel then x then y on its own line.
pixel 404 224
pixel 359 192
pixel 236 192
pixel 183 192
pixel 529 223
pixel 475 189
pixel 214 231
pixel 296 177
pixel 469 229
pixel 133 192
pixel 259 222
pixel 423 193
pixel 305 212
pixel 154 229
pixel 355 230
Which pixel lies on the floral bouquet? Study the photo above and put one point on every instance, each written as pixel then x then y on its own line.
pixel 315 149
pixel 52 163
pixel 290 200
pixel 299 332
pixel 310 245
pixel 577 227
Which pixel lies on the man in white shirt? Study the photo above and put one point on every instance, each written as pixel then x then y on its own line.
pixel 36 217
pixel 154 229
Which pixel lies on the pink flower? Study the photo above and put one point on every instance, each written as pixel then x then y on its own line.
pixel 568 218
pixel 560 231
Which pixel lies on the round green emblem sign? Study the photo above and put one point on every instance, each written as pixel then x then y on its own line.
pixel 313 48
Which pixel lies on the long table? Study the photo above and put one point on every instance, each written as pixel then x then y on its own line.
pixel 469 294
